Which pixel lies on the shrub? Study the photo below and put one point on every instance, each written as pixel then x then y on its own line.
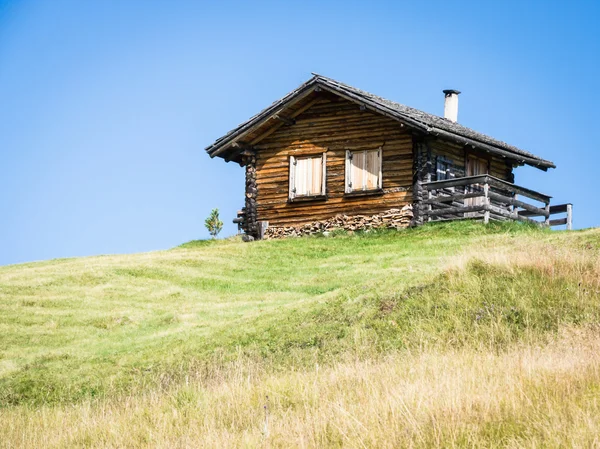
pixel 213 223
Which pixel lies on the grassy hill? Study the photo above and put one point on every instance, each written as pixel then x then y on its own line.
pixel 455 334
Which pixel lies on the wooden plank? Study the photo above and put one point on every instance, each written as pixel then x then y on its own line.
pixel 560 208
pixel 510 215
pixel 376 200
pixel 292 99
pixel 475 217
pixel 279 125
pixel 434 204
pixel 558 222
pixel 324 174
pixel 325 130
pixel 534 211
pixel 348 174
pixel 358 163
pixel 451 198
pixel 456 182
pixel 486 194
pixel 497 217
pixel 292 178
pixel 371 171
pixel 280 200
pixel 493 181
pixel 455 210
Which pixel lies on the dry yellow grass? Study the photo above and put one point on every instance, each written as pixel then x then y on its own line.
pixel 529 396
pixel 556 259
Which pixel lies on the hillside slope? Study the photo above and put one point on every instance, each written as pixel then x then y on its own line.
pixel 428 329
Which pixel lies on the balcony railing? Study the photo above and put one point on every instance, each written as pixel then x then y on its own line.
pixel 488 198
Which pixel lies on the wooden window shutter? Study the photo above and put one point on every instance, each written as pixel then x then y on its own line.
pixel 372 171
pixel 380 180
pixel 315 175
pixel 348 182
pixel 307 176
pixel 363 170
pixel 303 178
pixel 292 186
pixel 324 174
pixel 358 170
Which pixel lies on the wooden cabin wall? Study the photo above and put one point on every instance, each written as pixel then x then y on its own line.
pixel 332 125
pixel 499 167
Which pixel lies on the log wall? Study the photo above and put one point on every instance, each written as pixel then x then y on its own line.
pixel 499 167
pixel 332 125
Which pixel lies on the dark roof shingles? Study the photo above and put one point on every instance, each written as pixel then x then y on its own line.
pixel 428 122
pixel 433 122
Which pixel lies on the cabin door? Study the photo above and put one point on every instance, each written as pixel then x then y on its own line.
pixel 475 166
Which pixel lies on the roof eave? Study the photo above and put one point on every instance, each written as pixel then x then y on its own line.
pixel 220 146
pixel 531 161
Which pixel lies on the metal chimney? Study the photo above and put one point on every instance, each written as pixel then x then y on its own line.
pixel 451 104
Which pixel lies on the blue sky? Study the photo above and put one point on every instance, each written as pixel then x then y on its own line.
pixel 106 106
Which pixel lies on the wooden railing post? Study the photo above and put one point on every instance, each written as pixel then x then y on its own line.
pixel 486 203
pixel 429 206
pixel 547 212
pixel 569 217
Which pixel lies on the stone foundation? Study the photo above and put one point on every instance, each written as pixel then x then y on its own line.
pixel 393 218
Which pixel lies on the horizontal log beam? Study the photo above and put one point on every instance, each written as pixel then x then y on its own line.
pixel 233 155
pixel 558 222
pixel 451 198
pixel 491 180
pixel 504 185
pixel 442 206
pixel 286 120
pixel 477 217
pixel 533 210
pixel 558 209
pixel 511 215
pixel 455 210
pixel 274 128
pixel 249 127
pixel 456 182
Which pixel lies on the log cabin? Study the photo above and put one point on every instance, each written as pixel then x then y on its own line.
pixel 328 156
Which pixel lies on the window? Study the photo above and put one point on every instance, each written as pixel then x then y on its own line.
pixel 363 170
pixel 307 176
pixel 443 168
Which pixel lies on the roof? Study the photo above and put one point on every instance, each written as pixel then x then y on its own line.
pixel 419 120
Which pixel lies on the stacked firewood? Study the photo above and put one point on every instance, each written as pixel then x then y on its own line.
pixel 393 218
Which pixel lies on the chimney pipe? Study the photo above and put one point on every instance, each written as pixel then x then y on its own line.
pixel 451 104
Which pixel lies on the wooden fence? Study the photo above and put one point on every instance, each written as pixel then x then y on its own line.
pixel 489 198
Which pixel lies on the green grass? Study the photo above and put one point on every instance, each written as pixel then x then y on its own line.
pixel 74 329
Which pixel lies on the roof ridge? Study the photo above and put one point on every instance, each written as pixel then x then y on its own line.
pixel 446 124
pixel 425 121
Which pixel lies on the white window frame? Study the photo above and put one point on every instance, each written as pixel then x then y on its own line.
pixel 292 177
pixel 348 181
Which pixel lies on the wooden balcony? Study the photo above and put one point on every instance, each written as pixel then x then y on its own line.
pixel 488 198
